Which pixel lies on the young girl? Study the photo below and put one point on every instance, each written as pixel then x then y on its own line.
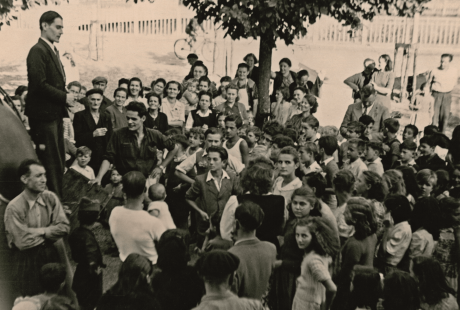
pixel 426 180
pixel 116 198
pixel 424 105
pixel 400 292
pixel 315 286
pixel 280 109
pixel 371 186
pixel 196 139
pixel 435 292
pixel 190 97
pixel 395 182
pixel 410 183
pixel 343 185
pixel 203 117
pixel 221 120
pixel 366 288
pixel 287 182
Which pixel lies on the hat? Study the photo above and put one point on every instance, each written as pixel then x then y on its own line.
pixel 94 91
pixel 192 56
pixel 218 263
pixel 99 79
pixel 87 204
pixel 368 90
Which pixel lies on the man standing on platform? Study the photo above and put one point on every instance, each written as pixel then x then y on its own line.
pixel 442 81
pixel 47 99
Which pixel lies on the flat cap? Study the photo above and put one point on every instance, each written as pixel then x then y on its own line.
pixel 94 91
pixel 99 79
pixel 218 263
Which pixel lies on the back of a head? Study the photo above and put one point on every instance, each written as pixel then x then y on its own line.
pixel 132 278
pixel 329 144
pixel 52 275
pixel 430 130
pixel 426 214
pixel 317 181
pixel 133 184
pixel 410 182
pixel 367 287
pixel 400 291
pixel 362 217
pixel 344 181
pixel 258 178
pixel 392 125
pixel 172 251
pixel 249 215
pixel 399 206
pixel 58 303
pixel 157 192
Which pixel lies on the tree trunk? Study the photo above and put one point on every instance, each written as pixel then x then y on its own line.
pixel 265 64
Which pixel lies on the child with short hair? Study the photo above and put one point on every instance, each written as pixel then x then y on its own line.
pixel 366 288
pixel 190 96
pixel 455 182
pixel 252 137
pixel 115 198
pixel 234 145
pixel 355 130
pixel 426 180
pixel 251 120
pixel 281 141
pixel 373 161
pixel 222 94
pixel 308 153
pixel 81 165
pixel 214 240
pixel 410 133
pixel 390 142
pixel 242 131
pixel 407 150
pixel 204 84
pixel 428 158
pixel 368 123
pixel 158 207
pixel 221 120
pixel 291 133
pixel 309 129
pixel 196 138
pixel 355 164
pixel 327 146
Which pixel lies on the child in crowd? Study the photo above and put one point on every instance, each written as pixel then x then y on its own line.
pixel 355 164
pixel 373 161
pixel 222 95
pixel 309 129
pixel 158 207
pixel 315 286
pixel 307 153
pixel 190 96
pixel 83 91
pixel 221 120
pixel 204 84
pixel 291 133
pixel 355 130
pixel 428 158
pixel 368 123
pixel 366 288
pixel 234 145
pixel 252 137
pixel 213 240
pixel 455 177
pixel 281 141
pixel 81 165
pixel 441 189
pixel 115 198
pixel 280 109
pixel 247 93
pixel 196 139
pixel 329 131
pixel 343 186
pixel 327 147
pixel 390 143
pixel 407 153
pixel 410 133
pixel 251 121
pixel 424 105
pixel 243 130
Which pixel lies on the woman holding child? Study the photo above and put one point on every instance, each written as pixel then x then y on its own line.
pixel 304 105
pixel 203 117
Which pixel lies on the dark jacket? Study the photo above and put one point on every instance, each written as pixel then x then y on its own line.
pixel 431 162
pixel 279 80
pixel 106 102
pixel 160 123
pixel 199 121
pixel 46 99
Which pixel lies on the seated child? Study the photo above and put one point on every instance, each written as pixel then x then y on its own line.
pixel 426 180
pixel 158 207
pixel 308 153
pixel 368 123
pixel 410 133
pixel 196 139
pixel 190 96
pixel 81 165
pixel 407 154
pixel 390 142
pixel 428 158
pixel 373 161
pixel 355 164
pixel 115 195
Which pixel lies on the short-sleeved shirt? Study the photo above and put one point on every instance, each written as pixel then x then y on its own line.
pixel 124 152
pixel 444 80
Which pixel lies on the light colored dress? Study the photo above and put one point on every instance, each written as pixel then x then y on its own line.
pixel 422 243
pixel 281 111
pixel 384 79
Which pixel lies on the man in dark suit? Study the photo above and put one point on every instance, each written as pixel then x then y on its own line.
pixel 99 82
pixel 47 98
pixel 93 128
pixel 370 105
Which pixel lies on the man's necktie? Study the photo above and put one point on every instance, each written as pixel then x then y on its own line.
pixel 60 63
pixel 365 110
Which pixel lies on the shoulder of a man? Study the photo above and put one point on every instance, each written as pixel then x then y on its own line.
pixel 49 197
pixel 17 204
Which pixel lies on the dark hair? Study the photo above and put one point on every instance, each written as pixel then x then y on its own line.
pixel 218 149
pixel 430 140
pixel 204 93
pixel 427 215
pixel 389 65
pixel 284 92
pixel 450 56
pixel 173 131
pixel 317 181
pixel 152 94
pixel 376 146
pixel 159 80
pixel 74 83
pixel 311 121
pixel 51 276
pixel 302 73
pixel 243 65
pixel 24 166
pixel 257 179
pixel 138 107
pixel 21 89
pixel 443 181
pixel 291 133
pixel 122 81
pixel 430 130
pixel 312 102
pixel 199 63
pixel 48 17
pixel 432 282
pixel 344 181
pixel 83 150
pixel 179 87
pixel 283 141
pixel 289 150
pixel 366 120
pixel 454 148
pixel 361 217
pixel 324 241
pixel 311 198
pixel 448 206
pixel 234 118
pixel 356 127
pixel 367 288
pixel 286 61
pixel 173 251
pixel 273 128
pixel 378 189
pixel 133 184
pixel 225 79
pixel 399 207
pixel 182 140
pixel 310 148
pixel 249 215
pixel 120 89
pixel 213 131
pixel 391 124
pixel 413 128
pixel 251 55
pixel 406 145
pixel 329 144
pixel 204 79
pixel 400 291
pixel 136 79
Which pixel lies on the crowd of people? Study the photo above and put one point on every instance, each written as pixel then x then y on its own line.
pixel 281 212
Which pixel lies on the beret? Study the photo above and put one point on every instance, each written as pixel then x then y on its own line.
pixel 218 263
pixel 87 204
pixel 94 91
pixel 99 79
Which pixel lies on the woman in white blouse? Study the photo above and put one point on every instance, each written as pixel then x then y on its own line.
pixel 172 107
pixel 136 92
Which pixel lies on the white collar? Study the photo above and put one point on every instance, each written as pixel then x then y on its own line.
pixel 378 159
pixel 327 161
pixel 49 43
pixel 210 177
pixel 369 108
pixel 246 239
pixel 289 187
pixel 205 114
pixel 314 167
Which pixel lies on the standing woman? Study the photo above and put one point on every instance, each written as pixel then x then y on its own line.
pixel 283 78
pixel 383 80
pixel 136 92
pixel 203 117
pixel 172 107
pixel 251 60
pixel 158 87
pixel 305 105
pixel 198 70
pixel 155 119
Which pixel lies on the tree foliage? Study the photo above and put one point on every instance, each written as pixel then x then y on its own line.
pixel 289 19
pixel 8 9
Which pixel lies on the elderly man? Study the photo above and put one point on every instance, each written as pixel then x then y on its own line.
pixel 368 105
pixel 134 148
pixel 357 81
pixel 93 128
pixel 34 220
pixel 99 82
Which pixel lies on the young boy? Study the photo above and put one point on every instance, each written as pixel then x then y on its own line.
pixel 355 164
pixel 327 147
pixel 252 137
pixel 222 96
pixel 407 150
pixel 410 133
pixel 247 93
pixel 158 207
pixel 86 253
pixel 309 129
pixel 368 123
pixel 211 190
pixel 114 191
pixel 428 158
pixel 373 161
pixel 390 142
pixel 81 166
pixel 308 153
pixel 196 138
pixel 234 145
pixel 355 130
pixel 243 130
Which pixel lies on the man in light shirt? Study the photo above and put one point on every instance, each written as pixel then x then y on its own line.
pixel 442 80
